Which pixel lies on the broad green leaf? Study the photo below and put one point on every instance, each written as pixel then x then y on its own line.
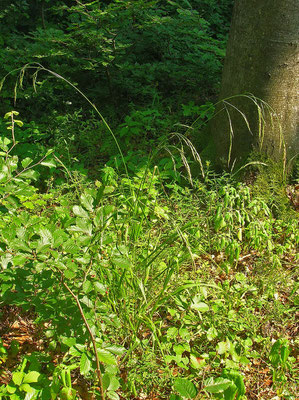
pixel 85 300
pixel 211 333
pixel 31 377
pixel 46 236
pixel 70 247
pixel 117 350
pixel 87 286
pixel 100 287
pixel 80 212
pixel 11 389
pixel 114 383
pixel 175 397
pixel 18 122
pixel 18 244
pixel 106 381
pixel 77 350
pixel 217 385
pixel 49 163
pixel 17 377
pixel 201 307
pixel 20 259
pixel 69 274
pixel 230 392
pixel 26 162
pixel 85 364
pixel 10 113
pixel 67 394
pixel 106 357
pixel 30 395
pixel 25 387
pixel 185 388
pixel 50 151
pixel 87 201
pixel 30 174
pixel 237 382
pixel 180 348
pixel 69 341
pixel 112 395
pixel 121 262
pixel 82 225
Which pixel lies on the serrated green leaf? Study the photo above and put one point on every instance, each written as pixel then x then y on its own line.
pixel 112 395
pixel 80 212
pixel 87 201
pixel 121 262
pixel 69 341
pixel 185 388
pixel 46 236
pixel 117 350
pixel 87 286
pixel 30 174
pixel 114 383
pixel 100 287
pixel 85 364
pixel 69 274
pixel 82 225
pixel 106 357
pixel 26 162
pixel 85 300
pixel 20 245
pixel 49 163
pixel 77 350
pixel 70 247
pixel 230 392
pixel 20 259
pixel 217 385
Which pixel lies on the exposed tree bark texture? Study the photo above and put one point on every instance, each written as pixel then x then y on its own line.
pixel 262 59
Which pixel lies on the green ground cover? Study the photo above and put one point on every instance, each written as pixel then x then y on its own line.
pixel 143 285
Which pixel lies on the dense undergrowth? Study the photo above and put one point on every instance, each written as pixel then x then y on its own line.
pixel 129 269
pixel 139 286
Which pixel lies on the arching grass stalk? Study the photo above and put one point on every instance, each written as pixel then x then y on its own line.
pixel 263 110
pixel 38 68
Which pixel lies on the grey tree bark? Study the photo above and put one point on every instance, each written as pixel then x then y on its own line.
pixel 262 59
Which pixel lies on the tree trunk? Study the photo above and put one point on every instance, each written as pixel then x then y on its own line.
pixel 262 59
